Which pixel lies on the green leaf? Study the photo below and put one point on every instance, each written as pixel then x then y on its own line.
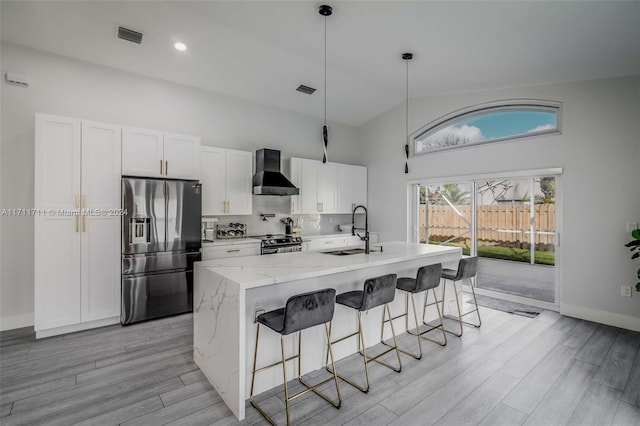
pixel 636 234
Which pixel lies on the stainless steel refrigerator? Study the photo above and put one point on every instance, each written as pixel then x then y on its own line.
pixel 160 241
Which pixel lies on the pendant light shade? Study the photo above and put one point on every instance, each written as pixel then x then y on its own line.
pixel 325 11
pixel 407 57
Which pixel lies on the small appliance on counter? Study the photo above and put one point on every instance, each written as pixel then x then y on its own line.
pixel 232 230
pixel 288 225
pixel 209 229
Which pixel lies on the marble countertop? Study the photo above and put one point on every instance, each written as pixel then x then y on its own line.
pixel 259 271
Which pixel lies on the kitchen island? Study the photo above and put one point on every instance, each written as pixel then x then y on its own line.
pixel 228 293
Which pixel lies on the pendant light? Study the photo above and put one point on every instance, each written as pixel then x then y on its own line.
pixel 407 57
pixel 325 11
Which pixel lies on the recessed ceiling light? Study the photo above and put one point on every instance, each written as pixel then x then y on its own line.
pixel 180 46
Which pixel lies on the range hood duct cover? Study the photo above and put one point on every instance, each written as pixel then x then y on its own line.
pixel 268 180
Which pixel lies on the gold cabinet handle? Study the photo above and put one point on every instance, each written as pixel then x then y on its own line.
pixel 228 206
pixel 77 223
pixel 84 223
pixel 77 201
pixel 84 201
pixel 160 167
pixel 166 168
pixel 233 251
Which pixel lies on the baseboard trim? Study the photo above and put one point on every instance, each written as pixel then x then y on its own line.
pixel 76 327
pixel 602 317
pixel 16 321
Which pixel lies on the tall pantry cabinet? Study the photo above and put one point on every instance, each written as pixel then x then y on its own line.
pixel 77 224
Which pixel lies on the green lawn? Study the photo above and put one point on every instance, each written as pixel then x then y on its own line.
pixel 506 253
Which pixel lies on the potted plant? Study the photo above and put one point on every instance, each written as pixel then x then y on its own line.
pixel 634 245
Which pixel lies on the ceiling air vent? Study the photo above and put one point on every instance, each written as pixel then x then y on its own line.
pixel 129 35
pixel 305 89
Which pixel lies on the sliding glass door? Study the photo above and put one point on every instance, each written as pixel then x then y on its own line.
pixel 508 222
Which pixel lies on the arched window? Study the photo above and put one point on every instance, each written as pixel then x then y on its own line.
pixel 501 121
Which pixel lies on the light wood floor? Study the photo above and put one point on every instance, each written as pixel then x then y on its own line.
pixel 551 370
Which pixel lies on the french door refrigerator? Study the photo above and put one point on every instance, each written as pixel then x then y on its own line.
pixel 160 241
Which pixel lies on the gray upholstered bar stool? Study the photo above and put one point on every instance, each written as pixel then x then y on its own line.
pixel 301 311
pixel 427 278
pixel 467 269
pixel 378 291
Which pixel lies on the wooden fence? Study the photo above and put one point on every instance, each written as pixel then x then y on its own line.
pixel 500 224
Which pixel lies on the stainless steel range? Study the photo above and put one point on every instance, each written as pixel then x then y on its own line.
pixel 279 243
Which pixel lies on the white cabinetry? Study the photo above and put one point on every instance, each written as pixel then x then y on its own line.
pixel 151 153
pixel 352 187
pixel 222 250
pixel 226 181
pixel 77 228
pixel 337 241
pixel 327 243
pixel 317 182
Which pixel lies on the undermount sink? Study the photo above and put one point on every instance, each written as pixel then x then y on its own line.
pixel 346 252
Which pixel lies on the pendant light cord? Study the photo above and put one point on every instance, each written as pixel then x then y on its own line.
pixel 325 70
pixel 407 108
pixel 325 10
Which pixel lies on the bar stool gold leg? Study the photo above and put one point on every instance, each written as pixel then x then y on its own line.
pixel 406 317
pixel 255 358
pixel 475 302
pixel 459 317
pixel 284 375
pixel 363 351
pixel 333 365
pixel 415 319
pixel 386 310
pixel 440 315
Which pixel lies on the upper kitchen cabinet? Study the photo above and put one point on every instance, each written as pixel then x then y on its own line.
pixel 181 156
pixel 77 228
pixel 317 182
pixel 226 177
pixel 352 187
pixel 151 153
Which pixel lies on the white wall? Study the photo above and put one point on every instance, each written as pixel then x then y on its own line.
pixel 73 88
pixel 599 150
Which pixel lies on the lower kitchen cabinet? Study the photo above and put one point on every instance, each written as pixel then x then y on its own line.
pixel 327 243
pixel 336 241
pixel 220 251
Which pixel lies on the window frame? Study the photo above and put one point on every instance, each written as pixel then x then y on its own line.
pixel 485 108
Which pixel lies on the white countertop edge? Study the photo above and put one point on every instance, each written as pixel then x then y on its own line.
pixel 271 280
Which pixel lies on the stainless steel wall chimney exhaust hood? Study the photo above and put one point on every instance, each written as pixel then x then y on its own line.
pixel 268 180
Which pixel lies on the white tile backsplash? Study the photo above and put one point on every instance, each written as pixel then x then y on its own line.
pixel 308 223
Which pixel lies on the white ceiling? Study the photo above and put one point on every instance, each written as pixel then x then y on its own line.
pixel 262 50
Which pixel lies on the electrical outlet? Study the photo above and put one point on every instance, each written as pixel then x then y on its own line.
pixel 625 291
